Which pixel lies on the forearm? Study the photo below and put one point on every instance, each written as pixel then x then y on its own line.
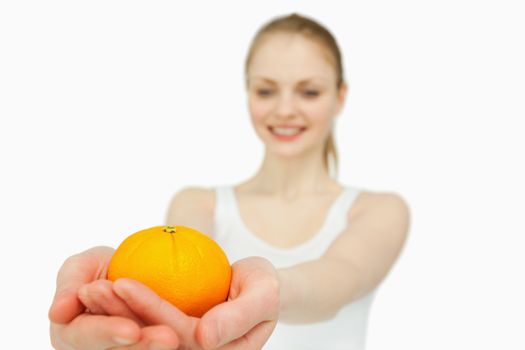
pixel 316 290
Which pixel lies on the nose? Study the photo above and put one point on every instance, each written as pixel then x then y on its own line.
pixel 285 107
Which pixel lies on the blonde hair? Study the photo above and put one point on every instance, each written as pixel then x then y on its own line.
pixel 309 28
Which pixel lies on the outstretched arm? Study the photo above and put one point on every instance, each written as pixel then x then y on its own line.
pixel 354 264
pixel 259 295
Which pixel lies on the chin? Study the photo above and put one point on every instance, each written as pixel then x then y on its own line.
pixel 287 151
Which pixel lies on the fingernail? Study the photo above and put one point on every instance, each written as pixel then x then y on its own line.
pixel 121 292
pixel 123 341
pixel 124 286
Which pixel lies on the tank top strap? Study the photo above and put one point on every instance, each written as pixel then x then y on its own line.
pixel 348 198
pixel 337 217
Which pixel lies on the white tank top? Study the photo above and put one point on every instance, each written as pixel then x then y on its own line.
pixel 346 330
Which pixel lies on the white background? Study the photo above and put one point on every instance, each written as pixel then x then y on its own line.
pixel 109 107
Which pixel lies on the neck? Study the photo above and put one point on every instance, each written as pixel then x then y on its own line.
pixel 291 178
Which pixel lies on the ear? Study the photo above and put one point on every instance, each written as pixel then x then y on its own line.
pixel 341 96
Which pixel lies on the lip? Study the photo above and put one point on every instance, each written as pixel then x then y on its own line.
pixel 287 126
pixel 285 138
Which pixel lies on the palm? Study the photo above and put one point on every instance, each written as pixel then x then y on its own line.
pixel 246 319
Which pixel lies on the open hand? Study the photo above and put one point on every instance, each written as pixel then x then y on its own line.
pixel 245 321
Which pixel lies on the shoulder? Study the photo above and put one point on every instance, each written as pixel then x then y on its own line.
pixel 381 205
pixel 193 207
pixel 194 193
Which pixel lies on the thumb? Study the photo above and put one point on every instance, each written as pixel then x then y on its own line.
pixel 76 271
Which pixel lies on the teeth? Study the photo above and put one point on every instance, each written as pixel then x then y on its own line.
pixel 286 131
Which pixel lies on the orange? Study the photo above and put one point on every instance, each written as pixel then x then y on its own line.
pixel 181 264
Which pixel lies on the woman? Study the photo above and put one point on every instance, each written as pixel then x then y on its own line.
pixel 308 251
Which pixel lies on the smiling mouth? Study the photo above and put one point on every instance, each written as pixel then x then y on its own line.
pixel 286 133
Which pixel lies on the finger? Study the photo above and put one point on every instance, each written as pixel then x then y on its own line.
pixel 76 271
pixel 99 332
pixel 89 297
pixel 160 337
pixel 152 309
pixel 148 305
pixel 254 339
pixel 99 297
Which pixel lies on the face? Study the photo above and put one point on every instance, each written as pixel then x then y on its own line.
pixel 292 94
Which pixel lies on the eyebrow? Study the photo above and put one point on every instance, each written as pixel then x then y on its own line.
pixel 304 81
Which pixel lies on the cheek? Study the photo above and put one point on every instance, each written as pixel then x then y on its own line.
pixel 321 112
pixel 259 110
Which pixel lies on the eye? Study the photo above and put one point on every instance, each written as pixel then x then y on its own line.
pixel 311 93
pixel 264 92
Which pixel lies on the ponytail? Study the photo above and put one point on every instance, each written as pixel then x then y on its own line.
pixel 330 159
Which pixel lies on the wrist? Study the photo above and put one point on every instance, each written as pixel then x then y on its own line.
pixel 286 291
